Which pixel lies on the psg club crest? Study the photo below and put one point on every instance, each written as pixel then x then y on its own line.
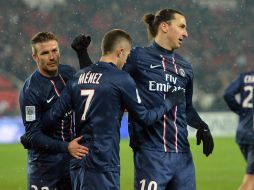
pixel 181 72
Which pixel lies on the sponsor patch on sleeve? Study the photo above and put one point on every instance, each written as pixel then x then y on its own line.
pixel 30 113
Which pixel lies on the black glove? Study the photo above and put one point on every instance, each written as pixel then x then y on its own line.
pixel 25 142
pixel 203 134
pixel 80 45
pixel 80 42
pixel 176 97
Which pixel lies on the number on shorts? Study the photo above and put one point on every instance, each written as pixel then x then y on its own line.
pixel 89 94
pixel 151 186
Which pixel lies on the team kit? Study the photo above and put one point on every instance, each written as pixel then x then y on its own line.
pixel 72 117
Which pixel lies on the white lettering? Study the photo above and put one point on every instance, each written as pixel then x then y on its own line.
pixel 154 86
pixel 97 81
pixel 249 79
pixel 166 87
pixel 81 78
pixel 90 78
pixel 170 78
pixel 87 75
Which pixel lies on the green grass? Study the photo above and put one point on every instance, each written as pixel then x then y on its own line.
pixel 12 167
pixel 224 169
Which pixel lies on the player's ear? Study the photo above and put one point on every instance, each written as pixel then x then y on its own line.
pixel 164 26
pixel 119 52
pixel 35 57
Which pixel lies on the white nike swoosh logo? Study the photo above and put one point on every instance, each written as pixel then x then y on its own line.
pixel 49 100
pixel 154 66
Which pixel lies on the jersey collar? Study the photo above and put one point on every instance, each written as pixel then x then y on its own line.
pixel 154 44
pixel 107 63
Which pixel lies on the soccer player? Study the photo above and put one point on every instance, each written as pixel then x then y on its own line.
pixel 162 156
pixel 99 94
pixel 243 86
pixel 48 158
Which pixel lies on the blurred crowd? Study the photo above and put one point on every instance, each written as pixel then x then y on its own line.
pixel 219 46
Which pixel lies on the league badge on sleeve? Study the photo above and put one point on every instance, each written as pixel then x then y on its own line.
pixel 30 113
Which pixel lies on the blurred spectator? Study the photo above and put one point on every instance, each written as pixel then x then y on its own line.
pixel 8 96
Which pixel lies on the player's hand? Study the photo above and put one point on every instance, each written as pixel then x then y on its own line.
pixel 81 42
pixel 203 134
pixel 76 150
pixel 25 142
pixel 176 97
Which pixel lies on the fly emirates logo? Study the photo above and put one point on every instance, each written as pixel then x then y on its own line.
pixel 164 87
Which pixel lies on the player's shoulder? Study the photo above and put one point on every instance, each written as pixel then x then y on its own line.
pixel 116 75
pixel 246 77
pixel 123 73
pixel 250 73
pixel 184 67
pixel 142 55
pixel 87 68
pixel 138 51
pixel 34 79
pixel 66 67
pixel 66 71
pixel 34 85
pixel 123 77
pixel 182 60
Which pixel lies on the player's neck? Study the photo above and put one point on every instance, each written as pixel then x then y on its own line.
pixel 48 74
pixel 163 43
pixel 109 59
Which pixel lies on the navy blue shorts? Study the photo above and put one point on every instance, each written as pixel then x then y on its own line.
pixel 83 179
pixel 75 166
pixel 248 154
pixel 49 172
pixel 167 171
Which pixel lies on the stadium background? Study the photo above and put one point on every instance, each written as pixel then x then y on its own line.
pixel 219 47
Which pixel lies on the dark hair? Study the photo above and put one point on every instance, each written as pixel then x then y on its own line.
pixel 113 37
pixel 153 21
pixel 42 37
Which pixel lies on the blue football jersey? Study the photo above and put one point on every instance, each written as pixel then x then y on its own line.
pixel 99 94
pixel 243 86
pixel 157 71
pixel 38 95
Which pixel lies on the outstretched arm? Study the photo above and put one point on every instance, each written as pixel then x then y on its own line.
pixel 80 45
pixel 133 104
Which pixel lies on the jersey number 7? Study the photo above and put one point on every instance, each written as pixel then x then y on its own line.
pixel 89 94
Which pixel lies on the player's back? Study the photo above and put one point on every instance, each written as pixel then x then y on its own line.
pixel 246 91
pixel 243 86
pixel 97 101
